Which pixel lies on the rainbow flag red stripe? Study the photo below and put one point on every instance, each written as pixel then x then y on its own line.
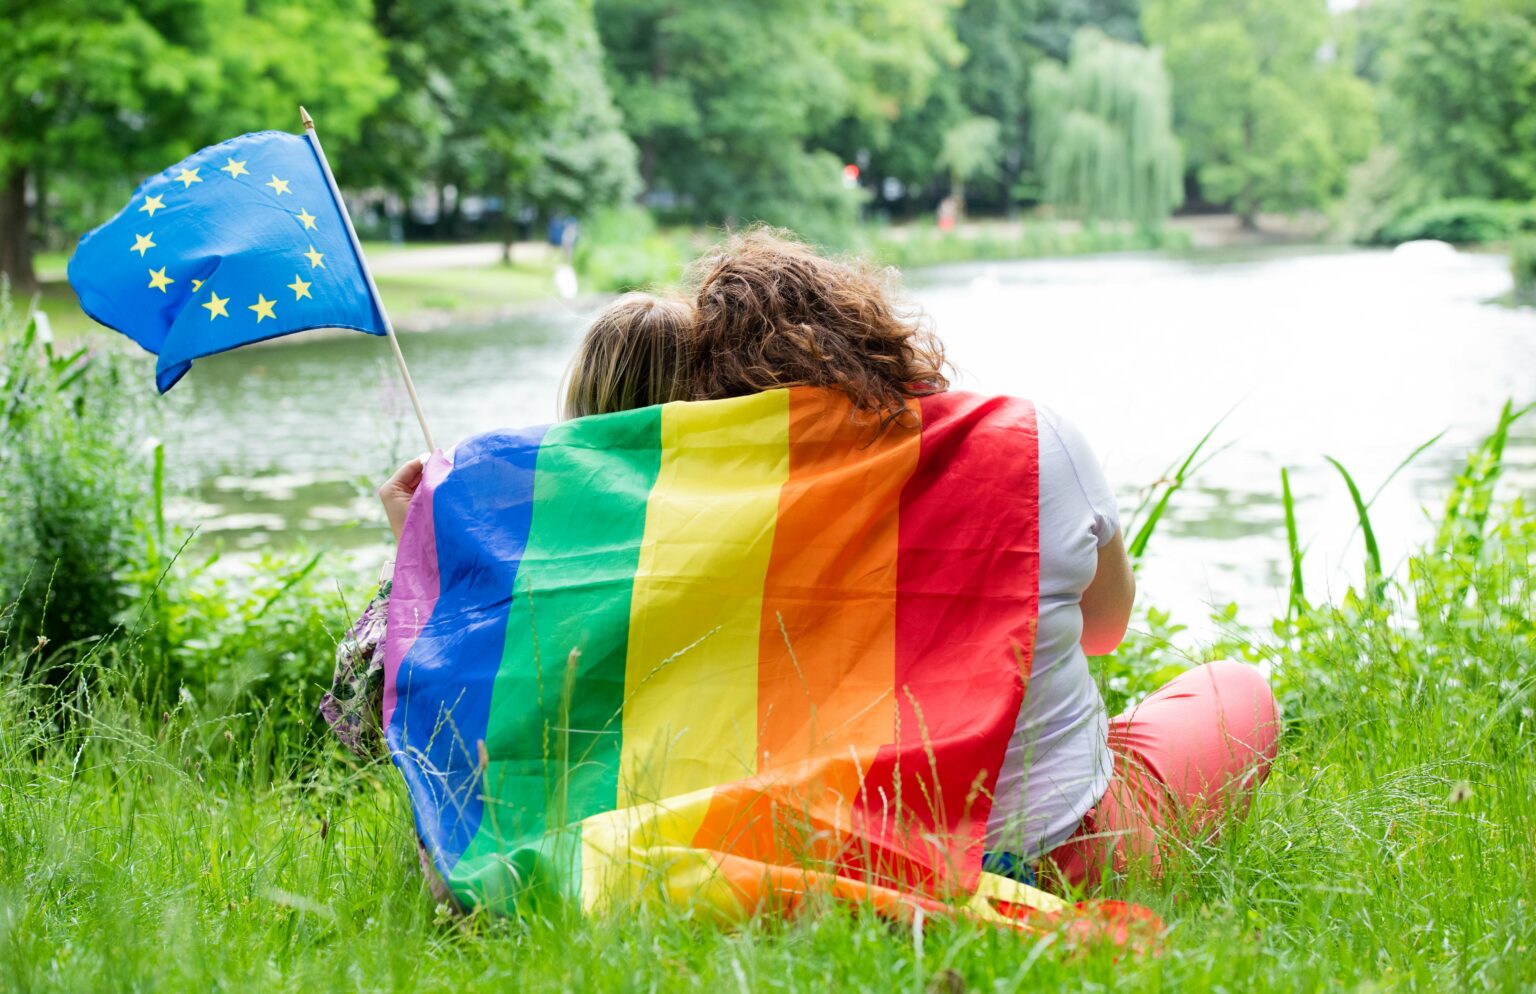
pixel 727 652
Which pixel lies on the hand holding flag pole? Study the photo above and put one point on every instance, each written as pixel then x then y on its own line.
pixel 373 288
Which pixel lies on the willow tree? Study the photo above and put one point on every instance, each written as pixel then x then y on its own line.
pixel 1104 140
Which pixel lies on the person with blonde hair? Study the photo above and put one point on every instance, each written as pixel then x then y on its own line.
pixel 635 354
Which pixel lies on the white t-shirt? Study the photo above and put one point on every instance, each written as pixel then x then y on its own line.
pixel 1058 763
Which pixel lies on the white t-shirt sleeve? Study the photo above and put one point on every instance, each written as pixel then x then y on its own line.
pixel 1090 475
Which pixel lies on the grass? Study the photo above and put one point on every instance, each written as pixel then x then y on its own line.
pixel 187 847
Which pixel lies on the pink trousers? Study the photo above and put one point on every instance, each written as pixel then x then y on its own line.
pixel 1186 759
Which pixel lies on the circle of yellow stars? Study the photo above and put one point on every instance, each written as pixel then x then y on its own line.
pixel 217 306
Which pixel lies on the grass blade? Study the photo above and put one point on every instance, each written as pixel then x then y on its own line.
pixel 1404 465
pixel 1298 600
pixel 1173 485
pixel 1372 552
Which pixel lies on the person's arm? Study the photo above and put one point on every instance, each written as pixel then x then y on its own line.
pixel 1107 602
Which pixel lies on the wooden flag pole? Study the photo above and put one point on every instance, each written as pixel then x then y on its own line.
pixel 373 288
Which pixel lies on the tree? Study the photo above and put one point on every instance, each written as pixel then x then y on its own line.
pixel 1462 106
pixel 498 97
pixel 1002 42
pixel 1267 123
pixel 95 93
pixel 1104 132
pixel 969 150
pixel 734 107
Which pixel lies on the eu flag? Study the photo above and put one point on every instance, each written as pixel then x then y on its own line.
pixel 238 243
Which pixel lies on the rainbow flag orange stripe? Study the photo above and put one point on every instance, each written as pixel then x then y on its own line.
pixel 727 652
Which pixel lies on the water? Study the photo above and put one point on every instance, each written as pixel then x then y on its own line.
pixel 1359 355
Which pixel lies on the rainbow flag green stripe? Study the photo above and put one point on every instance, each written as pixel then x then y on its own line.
pixel 636 646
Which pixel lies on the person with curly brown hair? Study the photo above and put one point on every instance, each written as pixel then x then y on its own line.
pixel 1078 791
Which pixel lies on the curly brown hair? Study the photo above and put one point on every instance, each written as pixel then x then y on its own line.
pixel 770 312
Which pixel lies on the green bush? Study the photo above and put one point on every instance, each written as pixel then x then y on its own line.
pixel 66 453
pixel 918 245
pixel 1463 222
pixel 621 250
pixel 94 578
pixel 1522 265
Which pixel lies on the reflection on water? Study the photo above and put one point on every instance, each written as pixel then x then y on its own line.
pixel 1360 355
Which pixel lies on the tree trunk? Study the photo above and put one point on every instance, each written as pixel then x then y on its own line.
pixel 16 232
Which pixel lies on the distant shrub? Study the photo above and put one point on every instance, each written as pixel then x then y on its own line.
pixel 93 577
pixel 1380 191
pixel 66 454
pixel 621 250
pixel 1522 265
pixel 1463 222
pixel 925 246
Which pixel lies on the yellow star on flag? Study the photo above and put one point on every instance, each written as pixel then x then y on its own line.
pixel 307 218
pixel 299 288
pixel 152 204
pixel 235 168
pixel 279 186
pixel 197 286
pixel 216 304
pixel 263 308
pixel 143 243
pixel 315 258
pixel 159 281
pixel 188 177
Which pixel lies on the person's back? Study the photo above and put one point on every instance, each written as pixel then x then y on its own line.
pixel 1077 791
pixel 1057 765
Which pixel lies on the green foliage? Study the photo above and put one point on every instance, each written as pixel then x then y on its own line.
pixel 68 516
pixel 1462 84
pixel 152 847
pixel 94 94
pixel 1266 124
pixel 725 101
pixel 1103 133
pixel 1462 222
pixel 1522 265
pixel 621 249
pixel 1379 191
pixel 94 579
pixel 969 150
pixel 925 245
pixel 500 98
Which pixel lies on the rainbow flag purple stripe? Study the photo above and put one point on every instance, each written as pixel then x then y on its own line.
pixel 729 652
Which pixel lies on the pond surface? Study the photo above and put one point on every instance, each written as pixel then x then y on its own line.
pixel 1361 355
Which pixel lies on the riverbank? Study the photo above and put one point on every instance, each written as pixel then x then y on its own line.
pixel 436 285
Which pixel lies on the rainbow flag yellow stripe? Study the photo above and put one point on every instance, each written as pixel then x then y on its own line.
pixel 727 652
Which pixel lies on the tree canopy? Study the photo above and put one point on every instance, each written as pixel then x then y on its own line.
pixel 1268 123
pixel 1104 130
pixel 94 93
pixel 728 113
pixel 1462 105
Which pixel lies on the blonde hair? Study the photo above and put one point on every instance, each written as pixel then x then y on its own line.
pixel 636 354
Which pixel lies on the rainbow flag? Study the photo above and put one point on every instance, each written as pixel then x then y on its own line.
pixel 730 653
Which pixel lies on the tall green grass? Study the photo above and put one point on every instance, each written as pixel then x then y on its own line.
pixel 1390 850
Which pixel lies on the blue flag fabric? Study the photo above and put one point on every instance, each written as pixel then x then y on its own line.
pixel 235 244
